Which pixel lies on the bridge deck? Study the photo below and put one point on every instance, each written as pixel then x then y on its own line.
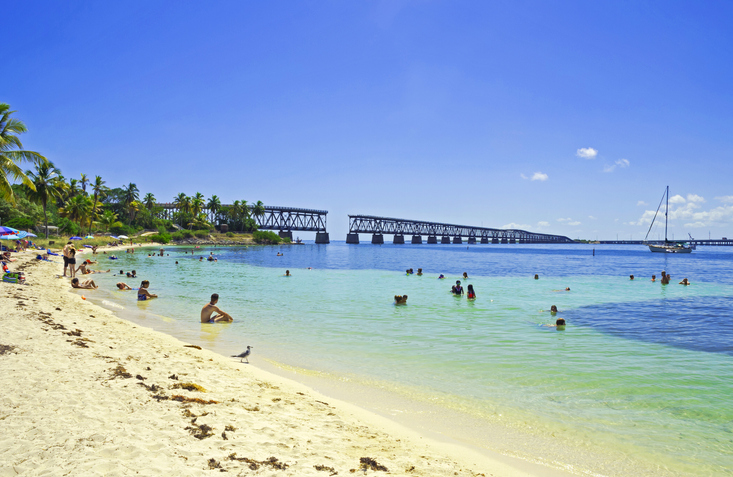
pixel 399 227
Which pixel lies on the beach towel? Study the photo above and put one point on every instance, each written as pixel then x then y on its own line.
pixel 51 253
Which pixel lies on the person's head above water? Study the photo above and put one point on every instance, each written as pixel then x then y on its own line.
pixel 567 289
pixel 553 309
pixel 631 277
pixel 536 277
pixel 560 322
pixel 458 282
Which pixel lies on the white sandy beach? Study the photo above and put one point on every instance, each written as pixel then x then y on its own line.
pixel 86 393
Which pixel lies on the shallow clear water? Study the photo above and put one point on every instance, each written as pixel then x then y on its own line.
pixel 641 368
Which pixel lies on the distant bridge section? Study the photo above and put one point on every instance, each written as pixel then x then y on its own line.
pixel 283 219
pixel 446 233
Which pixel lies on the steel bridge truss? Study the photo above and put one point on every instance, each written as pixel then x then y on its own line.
pixel 283 219
pixel 400 227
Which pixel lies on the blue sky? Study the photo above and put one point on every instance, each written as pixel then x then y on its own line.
pixel 558 117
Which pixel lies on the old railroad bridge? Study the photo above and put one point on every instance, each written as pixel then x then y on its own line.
pixel 448 233
pixel 282 219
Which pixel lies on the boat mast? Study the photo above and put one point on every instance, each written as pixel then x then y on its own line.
pixel 666 212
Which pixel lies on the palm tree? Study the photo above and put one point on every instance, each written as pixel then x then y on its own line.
pixel 99 191
pixel 73 189
pixel 197 204
pixel 259 209
pixel 149 201
pixel 130 194
pixel 214 206
pixel 235 212
pixel 107 219
pixel 46 182
pixel 12 154
pixel 77 209
pixel 84 181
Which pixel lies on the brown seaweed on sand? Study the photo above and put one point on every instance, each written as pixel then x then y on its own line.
pixel 195 400
pixel 200 431
pixel 189 387
pixel 255 464
pixel 6 349
pixel 120 372
pixel 214 464
pixel 323 468
pixel 369 463
pixel 192 346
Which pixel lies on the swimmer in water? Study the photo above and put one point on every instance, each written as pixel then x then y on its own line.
pixel 441 277
pixel 631 277
pixel 536 277
pixel 654 278
pixel 553 309
pixel 400 299
pixel 287 273
pixel 471 294
pixel 684 282
pixel 210 313
pixel 419 272
pixel 465 276
pixel 123 286
pixel 457 289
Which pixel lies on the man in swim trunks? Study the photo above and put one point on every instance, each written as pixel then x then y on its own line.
pixel 210 313
pixel 65 253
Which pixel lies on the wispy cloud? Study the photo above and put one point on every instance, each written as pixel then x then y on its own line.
pixel 543 224
pixel 726 199
pixel 592 218
pixel 574 223
pixel 621 163
pixel 537 176
pixel 569 221
pixel 587 153
pixel 641 202
pixel 513 225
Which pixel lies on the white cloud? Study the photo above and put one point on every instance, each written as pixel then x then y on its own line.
pixel 622 163
pixel 514 225
pixel 641 202
pixel 574 223
pixel 587 153
pixel 523 176
pixel 539 176
pixel 542 223
pixel 677 199
pixel 726 199
pixel 565 220
pixel 592 218
pixel 694 198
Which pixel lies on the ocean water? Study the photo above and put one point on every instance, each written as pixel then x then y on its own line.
pixel 639 382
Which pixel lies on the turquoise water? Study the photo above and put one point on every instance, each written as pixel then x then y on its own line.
pixel 642 374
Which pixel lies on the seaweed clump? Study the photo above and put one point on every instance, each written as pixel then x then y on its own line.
pixel 200 432
pixel 369 463
pixel 324 468
pixel 6 349
pixel 189 387
pixel 180 398
pixel 255 464
pixel 120 372
pixel 192 346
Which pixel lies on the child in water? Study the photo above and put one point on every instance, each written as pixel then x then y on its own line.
pixel 471 294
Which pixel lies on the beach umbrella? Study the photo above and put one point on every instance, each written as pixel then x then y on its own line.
pixel 15 236
pixel 75 238
pixel 122 236
pixel 8 230
pixel 31 235
pixel 113 236
pixel 89 237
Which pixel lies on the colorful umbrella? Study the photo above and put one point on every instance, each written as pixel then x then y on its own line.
pixel 8 230
pixel 122 236
pixel 75 238
pixel 89 237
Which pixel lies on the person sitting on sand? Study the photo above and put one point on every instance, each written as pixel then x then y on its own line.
pixel 211 314
pixel 471 294
pixel 400 299
pixel 123 286
pixel 287 273
pixel 143 293
pixel 684 282
pixel 86 284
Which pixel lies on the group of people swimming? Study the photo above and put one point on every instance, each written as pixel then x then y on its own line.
pixel 665 279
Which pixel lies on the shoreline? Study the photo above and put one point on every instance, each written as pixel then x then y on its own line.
pixel 70 399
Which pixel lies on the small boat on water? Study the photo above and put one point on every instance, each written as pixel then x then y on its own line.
pixel 667 246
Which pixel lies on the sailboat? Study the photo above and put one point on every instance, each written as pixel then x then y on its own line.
pixel 667 247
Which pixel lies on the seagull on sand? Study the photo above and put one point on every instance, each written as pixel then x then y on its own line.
pixel 243 355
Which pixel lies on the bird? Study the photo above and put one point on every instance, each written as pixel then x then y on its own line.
pixel 243 355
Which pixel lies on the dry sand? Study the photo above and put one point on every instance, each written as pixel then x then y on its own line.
pixel 85 393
